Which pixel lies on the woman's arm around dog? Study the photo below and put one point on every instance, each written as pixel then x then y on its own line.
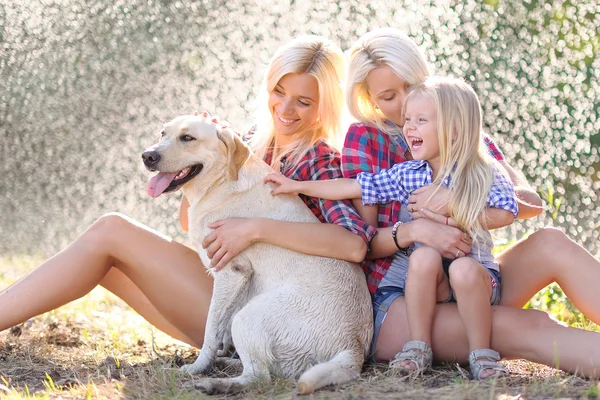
pixel 233 235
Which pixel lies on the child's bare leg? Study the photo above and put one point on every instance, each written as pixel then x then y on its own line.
pixel 166 281
pixel 472 288
pixel 426 284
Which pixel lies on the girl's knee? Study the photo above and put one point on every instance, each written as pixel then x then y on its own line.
pixel 466 272
pixel 424 256
pixel 424 262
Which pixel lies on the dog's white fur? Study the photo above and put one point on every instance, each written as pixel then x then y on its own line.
pixel 287 313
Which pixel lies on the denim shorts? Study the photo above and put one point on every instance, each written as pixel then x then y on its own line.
pixel 495 279
pixel 382 300
pixel 385 296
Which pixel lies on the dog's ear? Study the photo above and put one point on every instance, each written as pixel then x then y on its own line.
pixel 237 151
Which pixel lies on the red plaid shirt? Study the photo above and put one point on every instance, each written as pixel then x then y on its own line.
pixel 323 162
pixel 367 149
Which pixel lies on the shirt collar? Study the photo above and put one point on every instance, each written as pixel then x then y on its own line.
pixel 397 135
pixel 424 165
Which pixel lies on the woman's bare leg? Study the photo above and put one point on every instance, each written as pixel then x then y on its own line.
pixel 516 333
pixel 120 285
pixel 165 280
pixel 550 256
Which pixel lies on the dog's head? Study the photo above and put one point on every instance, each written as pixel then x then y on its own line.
pixel 193 146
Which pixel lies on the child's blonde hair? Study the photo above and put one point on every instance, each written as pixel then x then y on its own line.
pixel 387 47
pixel 463 155
pixel 317 57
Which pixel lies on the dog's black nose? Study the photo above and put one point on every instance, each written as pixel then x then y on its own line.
pixel 150 158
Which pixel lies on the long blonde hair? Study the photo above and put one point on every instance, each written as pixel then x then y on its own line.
pixel 317 57
pixel 387 47
pixel 463 155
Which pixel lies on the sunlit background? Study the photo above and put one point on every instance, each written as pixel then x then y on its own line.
pixel 85 86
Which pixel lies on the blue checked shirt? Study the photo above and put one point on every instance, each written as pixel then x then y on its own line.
pixel 367 149
pixel 398 182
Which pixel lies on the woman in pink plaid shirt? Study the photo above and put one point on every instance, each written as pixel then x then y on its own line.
pixel 383 66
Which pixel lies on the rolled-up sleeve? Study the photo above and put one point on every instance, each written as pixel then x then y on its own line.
pixel 383 187
pixel 323 165
pixel 502 194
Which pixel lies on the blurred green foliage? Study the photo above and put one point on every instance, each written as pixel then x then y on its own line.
pixel 86 84
pixel 553 300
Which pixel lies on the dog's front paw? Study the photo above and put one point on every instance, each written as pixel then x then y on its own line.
pixel 206 385
pixel 201 366
pixel 216 385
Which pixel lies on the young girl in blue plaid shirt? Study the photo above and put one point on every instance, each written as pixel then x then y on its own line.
pixel 443 129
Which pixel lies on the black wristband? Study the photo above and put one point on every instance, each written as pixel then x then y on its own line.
pixel 404 250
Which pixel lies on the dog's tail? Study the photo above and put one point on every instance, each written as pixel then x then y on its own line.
pixel 343 367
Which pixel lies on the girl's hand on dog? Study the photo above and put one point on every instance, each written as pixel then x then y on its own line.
pixel 214 118
pixel 228 239
pixel 284 184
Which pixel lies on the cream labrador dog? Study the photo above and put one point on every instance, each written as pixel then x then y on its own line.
pixel 287 313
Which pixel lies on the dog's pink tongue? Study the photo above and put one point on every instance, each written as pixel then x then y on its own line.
pixel 159 182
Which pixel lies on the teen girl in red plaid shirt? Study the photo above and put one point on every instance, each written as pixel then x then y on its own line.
pixel 383 65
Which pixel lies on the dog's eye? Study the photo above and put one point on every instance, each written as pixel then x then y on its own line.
pixel 162 133
pixel 187 138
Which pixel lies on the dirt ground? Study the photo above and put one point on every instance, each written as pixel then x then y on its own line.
pixel 74 358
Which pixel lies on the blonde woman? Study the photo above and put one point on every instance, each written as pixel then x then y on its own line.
pixel 443 129
pixel 165 281
pixel 298 126
pixel 383 65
